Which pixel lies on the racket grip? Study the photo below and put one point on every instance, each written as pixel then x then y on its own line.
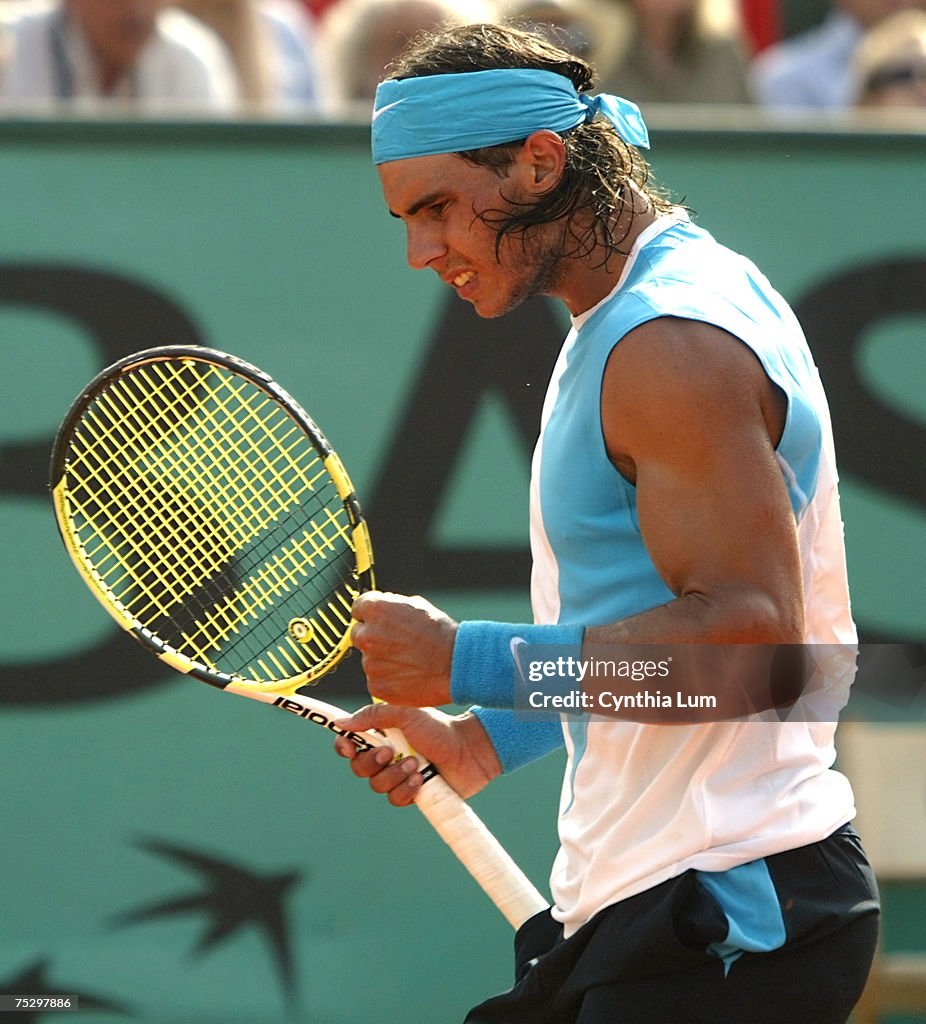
pixel 448 813
pixel 477 849
pixel 479 852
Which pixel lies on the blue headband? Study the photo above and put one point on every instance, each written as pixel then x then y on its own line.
pixel 451 113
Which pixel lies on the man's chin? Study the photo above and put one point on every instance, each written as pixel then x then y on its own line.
pixel 488 309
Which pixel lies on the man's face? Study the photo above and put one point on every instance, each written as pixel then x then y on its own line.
pixel 449 207
pixel 117 29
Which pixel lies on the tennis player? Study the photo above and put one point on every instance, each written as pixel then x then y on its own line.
pixel 683 491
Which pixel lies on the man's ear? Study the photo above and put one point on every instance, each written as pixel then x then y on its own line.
pixel 541 162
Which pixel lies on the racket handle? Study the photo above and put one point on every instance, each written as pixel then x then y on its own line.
pixel 449 814
pixel 479 852
pixel 477 849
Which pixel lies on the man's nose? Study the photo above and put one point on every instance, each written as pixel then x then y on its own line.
pixel 424 246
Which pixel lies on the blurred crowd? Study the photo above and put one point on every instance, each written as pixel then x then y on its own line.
pixel 323 58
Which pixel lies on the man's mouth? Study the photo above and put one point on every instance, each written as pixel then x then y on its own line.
pixel 464 278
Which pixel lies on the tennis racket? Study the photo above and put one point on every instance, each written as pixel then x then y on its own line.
pixel 212 519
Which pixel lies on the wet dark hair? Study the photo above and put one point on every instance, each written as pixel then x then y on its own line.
pixel 599 164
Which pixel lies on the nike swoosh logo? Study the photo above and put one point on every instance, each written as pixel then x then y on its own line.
pixel 513 645
pixel 388 106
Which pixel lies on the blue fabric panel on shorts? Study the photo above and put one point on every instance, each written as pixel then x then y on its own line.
pixel 750 902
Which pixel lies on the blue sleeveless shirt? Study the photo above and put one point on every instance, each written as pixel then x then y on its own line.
pixel 642 803
pixel 588 509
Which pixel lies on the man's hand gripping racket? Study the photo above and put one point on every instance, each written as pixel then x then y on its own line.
pixel 214 522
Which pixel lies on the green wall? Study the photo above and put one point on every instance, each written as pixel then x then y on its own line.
pixel 124 789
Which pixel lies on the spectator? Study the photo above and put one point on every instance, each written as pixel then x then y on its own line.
pixel 272 45
pixel 890 63
pixel 133 54
pixel 813 70
pixel 300 78
pixel 672 51
pixel 360 37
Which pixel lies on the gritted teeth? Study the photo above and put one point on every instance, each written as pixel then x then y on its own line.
pixel 462 279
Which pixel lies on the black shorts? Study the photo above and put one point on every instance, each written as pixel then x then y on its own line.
pixel 652 958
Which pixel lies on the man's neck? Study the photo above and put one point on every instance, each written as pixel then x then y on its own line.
pixel 588 280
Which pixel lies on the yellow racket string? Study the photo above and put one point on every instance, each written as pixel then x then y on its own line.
pixel 283 572
pixel 179 473
pixel 130 428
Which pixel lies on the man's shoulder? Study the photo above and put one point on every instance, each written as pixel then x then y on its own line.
pixel 683 254
pixel 684 272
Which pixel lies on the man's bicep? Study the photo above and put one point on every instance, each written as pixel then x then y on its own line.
pixel 723 521
pixel 688 408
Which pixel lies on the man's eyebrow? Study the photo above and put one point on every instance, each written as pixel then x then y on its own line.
pixel 415 207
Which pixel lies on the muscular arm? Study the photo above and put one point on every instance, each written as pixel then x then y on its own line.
pixel 690 417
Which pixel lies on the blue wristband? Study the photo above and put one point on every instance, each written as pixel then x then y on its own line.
pixel 483 669
pixel 518 741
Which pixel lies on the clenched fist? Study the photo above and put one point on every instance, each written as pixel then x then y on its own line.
pixel 407 648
